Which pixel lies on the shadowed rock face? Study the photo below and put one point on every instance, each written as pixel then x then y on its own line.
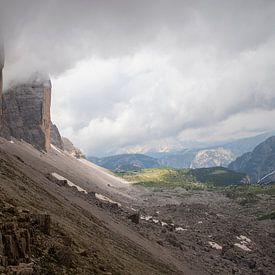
pixel 258 163
pixel 56 139
pixel 1 87
pixel 1 76
pixel 26 112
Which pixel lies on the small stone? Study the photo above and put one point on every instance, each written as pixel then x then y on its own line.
pixel 84 253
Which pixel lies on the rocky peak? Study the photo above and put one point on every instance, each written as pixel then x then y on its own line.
pixel 212 157
pixel 26 115
pixel 26 111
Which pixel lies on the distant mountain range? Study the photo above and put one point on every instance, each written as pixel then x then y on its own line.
pixel 218 155
pixel 259 164
pixel 126 162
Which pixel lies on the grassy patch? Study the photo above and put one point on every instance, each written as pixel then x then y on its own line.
pixel 212 179
pixel 194 179
pixel 218 176
pixel 167 178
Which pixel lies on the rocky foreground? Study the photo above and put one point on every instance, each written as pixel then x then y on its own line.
pixel 87 235
pixel 64 215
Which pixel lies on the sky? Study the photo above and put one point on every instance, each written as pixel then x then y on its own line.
pixel 133 76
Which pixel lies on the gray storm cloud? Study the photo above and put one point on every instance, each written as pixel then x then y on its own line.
pixel 175 67
pixel 54 34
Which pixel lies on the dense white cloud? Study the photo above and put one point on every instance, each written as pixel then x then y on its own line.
pixel 146 97
pixel 130 74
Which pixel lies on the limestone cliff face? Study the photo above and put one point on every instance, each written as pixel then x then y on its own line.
pixel 212 158
pixel 26 112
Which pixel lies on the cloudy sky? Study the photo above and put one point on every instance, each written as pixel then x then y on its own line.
pixel 150 74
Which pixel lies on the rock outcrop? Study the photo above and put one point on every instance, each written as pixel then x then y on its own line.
pixel 56 138
pixel 258 163
pixel 18 230
pixel 27 246
pixel 71 149
pixel 26 112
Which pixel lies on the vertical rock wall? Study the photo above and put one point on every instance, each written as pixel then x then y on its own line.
pixel 46 115
pixel 1 76
pixel 56 139
pixel 1 88
pixel 26 112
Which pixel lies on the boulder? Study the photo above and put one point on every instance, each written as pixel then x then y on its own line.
pixel 135 218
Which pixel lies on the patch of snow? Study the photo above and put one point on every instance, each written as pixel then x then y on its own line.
pixel 104 198
pixel 242 246
pixel 146 218
pixel 59 177
pixel 156 221
pixel 11 141
pixel 244 239
pixel 56 149
pixel 215 245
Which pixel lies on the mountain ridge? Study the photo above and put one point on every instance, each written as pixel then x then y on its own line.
pixel 126 162
pixel 258 163
pixel 211 156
